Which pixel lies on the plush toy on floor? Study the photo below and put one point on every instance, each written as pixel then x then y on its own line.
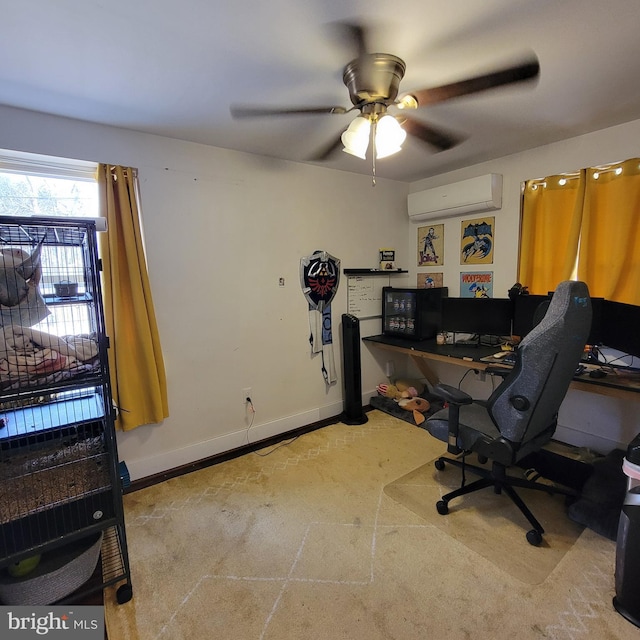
pixel 418 406
pixel 401 388
pixel 405 393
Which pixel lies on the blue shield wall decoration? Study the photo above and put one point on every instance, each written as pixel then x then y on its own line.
pixel 320 277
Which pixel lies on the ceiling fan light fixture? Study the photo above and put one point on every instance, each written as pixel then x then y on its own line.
pixel 389 136
pixel 373 83
pixel 356 138
pixel 407 102
pixel 385 152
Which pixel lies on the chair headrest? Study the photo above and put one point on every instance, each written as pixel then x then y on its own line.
pixel 570 300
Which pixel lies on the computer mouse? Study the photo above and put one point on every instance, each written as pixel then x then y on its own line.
pixel 597 373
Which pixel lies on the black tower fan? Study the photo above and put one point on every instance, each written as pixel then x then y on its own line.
pixel 352 372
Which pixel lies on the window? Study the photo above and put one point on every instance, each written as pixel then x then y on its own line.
pixel 583 225
pixel 43 186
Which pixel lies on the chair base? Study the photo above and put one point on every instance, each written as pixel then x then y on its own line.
pixel 497 478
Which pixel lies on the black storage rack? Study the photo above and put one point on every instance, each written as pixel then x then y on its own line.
pixel 59 471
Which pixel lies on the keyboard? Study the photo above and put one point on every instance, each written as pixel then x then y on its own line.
pixel 507 358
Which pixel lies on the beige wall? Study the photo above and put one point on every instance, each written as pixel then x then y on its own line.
pixel 222 227
pixel 585 419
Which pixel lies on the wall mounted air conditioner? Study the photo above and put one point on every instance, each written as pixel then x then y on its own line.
pixel 483 193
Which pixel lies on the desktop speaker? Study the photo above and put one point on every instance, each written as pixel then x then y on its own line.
pixel 351 371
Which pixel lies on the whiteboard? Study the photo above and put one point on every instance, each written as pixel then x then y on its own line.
pixel 364 296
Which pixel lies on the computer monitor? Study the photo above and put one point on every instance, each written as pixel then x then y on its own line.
pixel 597 311
pixel 530 309
pixel 479 316
pixel 527 311
pixel 619 329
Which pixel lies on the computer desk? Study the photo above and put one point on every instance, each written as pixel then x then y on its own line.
pixel 617 384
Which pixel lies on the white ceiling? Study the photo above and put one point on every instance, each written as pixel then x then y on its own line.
pixel 173 68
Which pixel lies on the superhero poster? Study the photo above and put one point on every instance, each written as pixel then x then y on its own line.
pixel 430 280
pixel 476 284
pixel 476 242
pixel 431 245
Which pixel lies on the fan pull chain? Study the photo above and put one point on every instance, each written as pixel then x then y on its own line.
pixel 373 153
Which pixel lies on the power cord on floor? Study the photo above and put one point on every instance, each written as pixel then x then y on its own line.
pixel 252 409
pixel 282 444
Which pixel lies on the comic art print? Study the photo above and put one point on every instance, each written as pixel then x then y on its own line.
pixel 476 284
pixel 477 240
pixel 431 245
pixel 430 280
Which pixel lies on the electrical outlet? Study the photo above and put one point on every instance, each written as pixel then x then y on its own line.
pixel 246 393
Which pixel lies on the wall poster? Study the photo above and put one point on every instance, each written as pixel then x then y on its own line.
pixel 476 241
pixel 430 280
pixel 476 284
pixel 431 246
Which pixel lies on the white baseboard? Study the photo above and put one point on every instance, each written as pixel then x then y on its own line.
pixel 589 440
pixel 161 463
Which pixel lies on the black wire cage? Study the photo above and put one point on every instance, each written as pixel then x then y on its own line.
pixel 60 478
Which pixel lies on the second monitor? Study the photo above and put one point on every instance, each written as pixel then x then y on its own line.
pixel 490 317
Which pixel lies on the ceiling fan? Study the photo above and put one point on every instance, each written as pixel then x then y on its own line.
pixel 373 82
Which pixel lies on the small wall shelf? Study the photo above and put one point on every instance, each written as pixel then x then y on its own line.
pixel 373 272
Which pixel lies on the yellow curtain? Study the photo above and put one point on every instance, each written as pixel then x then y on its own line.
pixel 609 258
pixel 135 357
pixel 550 230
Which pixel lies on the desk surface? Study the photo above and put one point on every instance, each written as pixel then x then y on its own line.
pixel 617 383
pixel 431 348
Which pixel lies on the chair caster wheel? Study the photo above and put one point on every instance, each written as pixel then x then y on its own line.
pixel 124 593
pixel 439 464
pixel 442 507
pixel 534 537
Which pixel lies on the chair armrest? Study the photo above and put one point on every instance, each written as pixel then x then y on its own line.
pixel 451 394
pixel 455 397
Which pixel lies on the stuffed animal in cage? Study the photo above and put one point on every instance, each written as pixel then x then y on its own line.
pixel 20 300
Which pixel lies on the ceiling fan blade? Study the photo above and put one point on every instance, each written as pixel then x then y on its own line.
pixel 328 150
pixel 439 139
pixel 240 111
pixel 353 36
pixel 526 71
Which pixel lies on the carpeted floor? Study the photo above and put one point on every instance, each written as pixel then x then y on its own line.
pixel 488 524
pixel 304 542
